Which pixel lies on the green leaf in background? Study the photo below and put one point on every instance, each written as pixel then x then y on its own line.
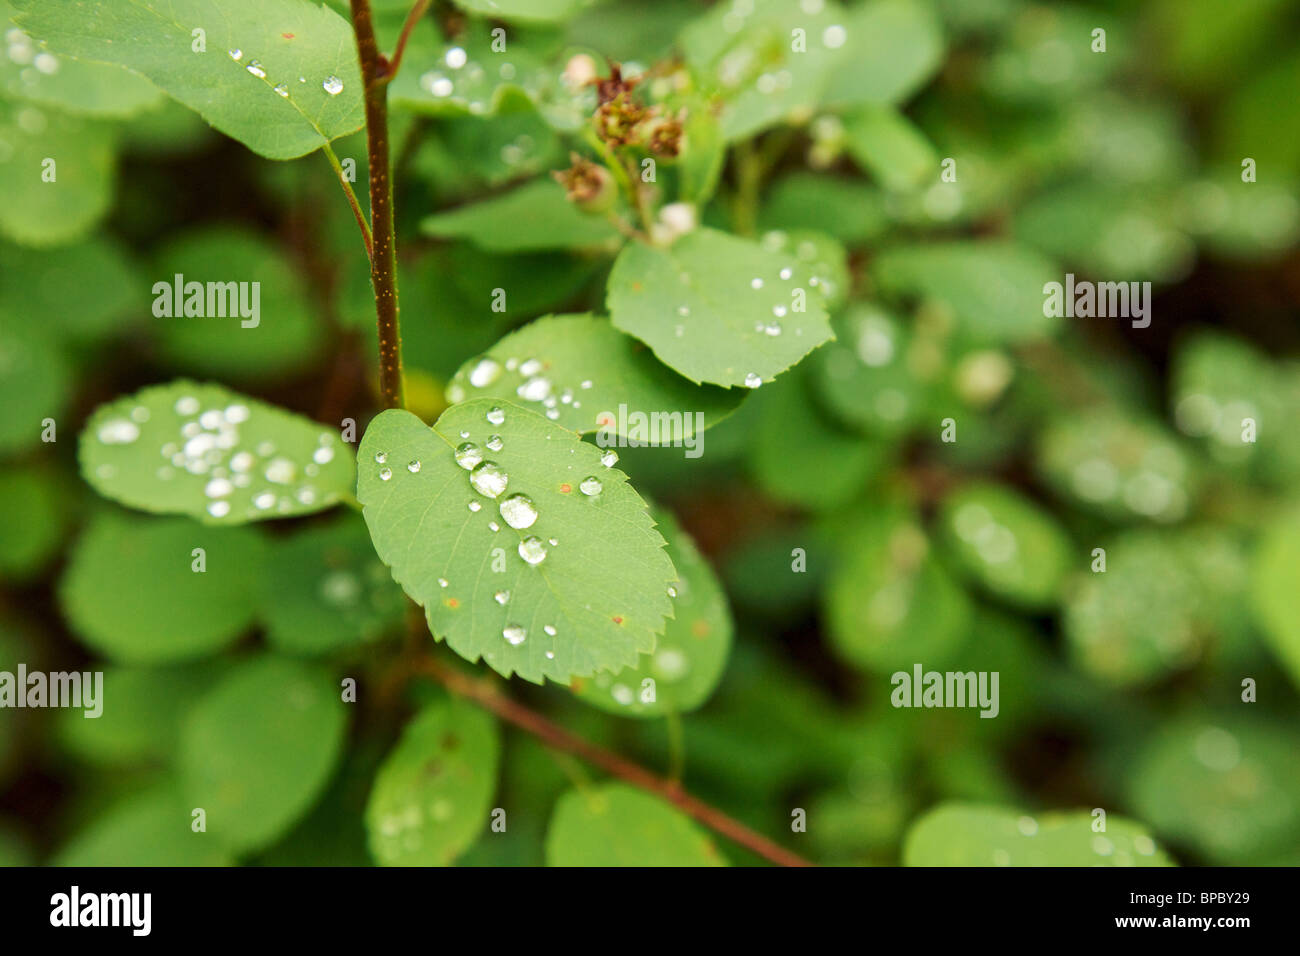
pixel 33 519
pixel 529 218
pixel 34 382
pixel 1008 544
pixel 748 52
pixel 798 457
pixel 717 308
pixel 280 76
pixel 130 592
pixel 94 89
pixel 540 11
pixel 524 545
pixel 288 334
pixel 1242 221
pixel 617 825
pixel 889 603
pixel 1128 624
pixel 433 794
pixel 994 288
pixel 143 709
pixel 688 658
pixel 1121 468
pixel 326 590
pixel 1275 599
pixel 151 828
pixel 206 452
pixel 1228 787
pixel 877 375
pixel 81 292
pixel 888 145
pixel 959 834
pixel 258 749
pixel 893 48
pixel 466 76
pixel 849 210
pixel 578 370
pixel 58 172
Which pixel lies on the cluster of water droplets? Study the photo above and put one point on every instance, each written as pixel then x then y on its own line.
pixel 745 64
pixel 533 384
pixel 331 84
pixel 208 444
pixel 464 82
pixel 34 62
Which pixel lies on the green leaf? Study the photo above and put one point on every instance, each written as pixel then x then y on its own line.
pixel 688 658
pixel 578 370
pixel 325 590
pixel 35 379
pixel 79 155
pixel 33 519
pixel 253 49
pixel 1008 544
pixel 1123 469
pixel 800 458
pixel 888 145
pixel 850 210
pixel 893 48
pixel 717 308
pixel 82 292
pixel 764 72
pixel 142 712
pixel 145 829
pixel 530 218
pixel 94 89
pixel 433 794
pixel 994 288
pixel 541 11
pixel 130 591
pixel 1228 787
pixel 617 825
pixel 258 749
pixel 206 452
pixel 872 376
pixel 1274 598
pixel 237 337
pixel 1129 626
pixel 890 604
pixel 588 567
pixel 961 834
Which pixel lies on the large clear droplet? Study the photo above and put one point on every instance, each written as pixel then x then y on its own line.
pixel 485 372
pixel 501 597
pixel 532 550
pixel 496 416
pixel 468 455
pixel 333 85
pixel 519 511
pixel 590 486
pixel 488 479
pixel 609 459
pixel 752 381
pixel 514 634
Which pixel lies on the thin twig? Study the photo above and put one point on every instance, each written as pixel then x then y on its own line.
pixel 412 18
pixel 352 201
pixel 383 260
pixel 486 695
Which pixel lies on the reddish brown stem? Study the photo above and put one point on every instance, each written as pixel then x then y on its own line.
pixel 486 695
pixel 383 260
pixel 412 18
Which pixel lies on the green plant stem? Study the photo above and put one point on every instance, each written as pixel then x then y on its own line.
pixel 749 179
pixel 623 178
pixel 352 201
pixel 486 695
pixel 412 18
pixel 383 260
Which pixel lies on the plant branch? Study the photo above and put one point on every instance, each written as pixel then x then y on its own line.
pixel 485 694
pixel 383 260
pixel 352 201
pixel 412 18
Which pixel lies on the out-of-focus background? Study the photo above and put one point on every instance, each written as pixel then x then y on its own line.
pixel 995 147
